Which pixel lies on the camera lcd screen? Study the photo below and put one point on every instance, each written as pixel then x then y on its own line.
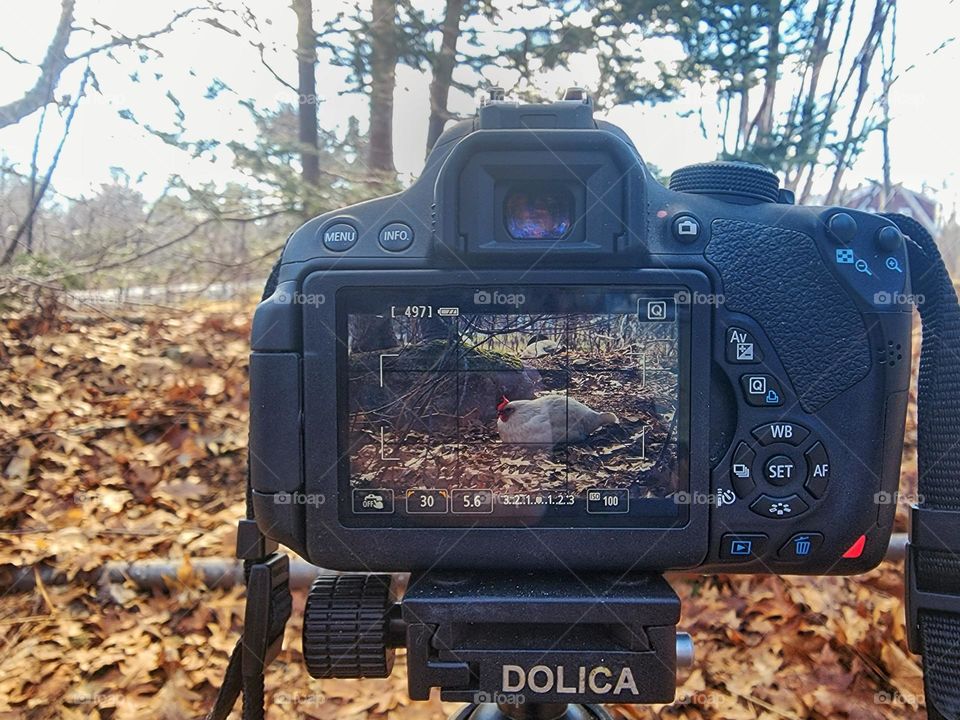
pixel 513 406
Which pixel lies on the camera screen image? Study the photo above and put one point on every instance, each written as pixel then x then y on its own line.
pixel 535 405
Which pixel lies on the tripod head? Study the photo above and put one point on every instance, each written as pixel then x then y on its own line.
pixel 521 640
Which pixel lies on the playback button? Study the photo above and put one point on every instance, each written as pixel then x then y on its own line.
pixel 742 546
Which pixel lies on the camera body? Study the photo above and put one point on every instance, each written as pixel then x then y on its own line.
pixel 537 357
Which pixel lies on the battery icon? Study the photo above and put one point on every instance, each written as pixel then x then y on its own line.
pixel 448 311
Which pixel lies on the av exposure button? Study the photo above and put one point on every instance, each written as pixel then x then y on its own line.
pixel 742 546
pixel 741 470
pixel 339 236
pixel 761 390
pixel 741 347
pixel 426 502
pixel 779 470
pixel 800 547
pixel 370 500
pixel 818 470
pixel 395 237
pixel 784 432
pixel 779 507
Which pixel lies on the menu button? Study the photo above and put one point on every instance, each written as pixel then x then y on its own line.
pixel 339 236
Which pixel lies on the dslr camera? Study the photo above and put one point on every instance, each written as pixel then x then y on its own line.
pixel 537 379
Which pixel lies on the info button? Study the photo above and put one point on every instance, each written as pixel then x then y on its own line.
pixel 396 237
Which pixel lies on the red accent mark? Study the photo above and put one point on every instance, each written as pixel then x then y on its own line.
pixel 661 213
pixel 856 550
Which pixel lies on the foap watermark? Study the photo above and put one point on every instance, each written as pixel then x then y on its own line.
pixel 892 498
pixel 882 297
pixel 898 698
pixel 503 698
pixel 299 298
pixel 299 698
pixel 685 297
pixel 720 498
pixel 495 297
pixel 299 498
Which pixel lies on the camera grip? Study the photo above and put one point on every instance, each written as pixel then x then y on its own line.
pixel 777 277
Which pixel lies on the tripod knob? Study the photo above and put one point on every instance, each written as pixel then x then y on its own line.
pixel 346 626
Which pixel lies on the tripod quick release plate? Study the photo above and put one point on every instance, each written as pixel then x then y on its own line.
pixel 541 638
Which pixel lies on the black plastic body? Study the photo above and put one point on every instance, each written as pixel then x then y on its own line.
pixel 834 338
pixel 497 637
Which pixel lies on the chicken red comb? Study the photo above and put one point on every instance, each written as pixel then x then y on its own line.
pixel 503 402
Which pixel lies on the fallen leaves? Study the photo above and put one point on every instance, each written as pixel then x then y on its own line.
pixel 124 438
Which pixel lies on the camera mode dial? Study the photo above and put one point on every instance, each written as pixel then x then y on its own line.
pixel 728 179
pixel 346 627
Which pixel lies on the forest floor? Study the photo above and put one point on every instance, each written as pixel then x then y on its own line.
pixel 122 437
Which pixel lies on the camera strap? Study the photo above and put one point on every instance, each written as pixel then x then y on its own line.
pixel 932 575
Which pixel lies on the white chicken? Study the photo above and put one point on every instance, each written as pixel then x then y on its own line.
pixel 548 420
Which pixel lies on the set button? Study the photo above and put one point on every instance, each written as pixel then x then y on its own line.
pixel 779 470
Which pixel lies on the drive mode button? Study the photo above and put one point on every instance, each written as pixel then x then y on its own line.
pixel 339 236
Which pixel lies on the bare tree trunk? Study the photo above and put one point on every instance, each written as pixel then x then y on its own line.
pixel 383 73
pixel 54 62
pixel 763 121
pixel 443 67
pixel 888 66
pixel 864 60
pixel 831 106
pixel 307 91
pixel 37 193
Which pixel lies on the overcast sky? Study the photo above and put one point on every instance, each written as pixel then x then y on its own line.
pixel 924 131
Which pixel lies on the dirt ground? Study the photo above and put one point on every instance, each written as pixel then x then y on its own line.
pixel 122 437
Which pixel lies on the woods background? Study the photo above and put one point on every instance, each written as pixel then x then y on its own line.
pixel 123 400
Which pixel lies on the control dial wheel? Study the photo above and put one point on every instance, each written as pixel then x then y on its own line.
pixel 731 178
pixel 346 625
